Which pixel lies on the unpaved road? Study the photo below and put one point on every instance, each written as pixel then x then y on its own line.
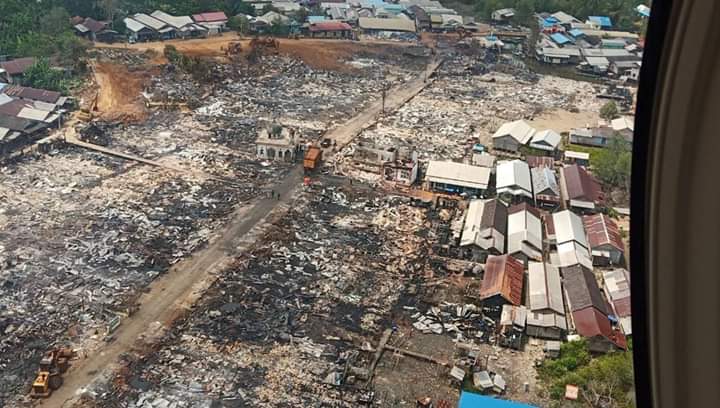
pixel 186 281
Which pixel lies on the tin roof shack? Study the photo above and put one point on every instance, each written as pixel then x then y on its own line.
pixel 580 189
pixel 139 32
pixel 485 227
pixel 579 158
pixel 457 178
pixel 547 310
pixel 545 187
pixel 184 25
pixel 276 142
pixel 215 21
pixel 589 312
pixel 512 135
pixel 312 158
pixel 330 29
pixel 13 71
pixel 95 30
pixel 422 18
pixel 503 15
pixel 163 30
pixel 502 281
pixel 552 55
pixel 512 326
pixel 18 132
pixel 524 235
pixel 513 179
pixel 606 244
pixel 386 26
pixel 547 140
pixel 598 136
pixel 572 245
pixel 617 289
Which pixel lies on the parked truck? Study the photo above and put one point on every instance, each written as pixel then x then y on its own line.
pixel 313 156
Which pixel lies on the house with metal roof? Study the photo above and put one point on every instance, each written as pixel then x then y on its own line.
pixel 606 245
pixel 214 21
pixel 546 190
pixel 580 189
pixel 473 400
pixel 184 25
pixel 375 25
pixel 330 29
pixel 457 178
pixel 511 135
pixel 12 71
pixel 485 226
pixel 554 55
pixel 599 136
pixel 571 242
pixel 560 39
pixel 602 22
pixel 579 158
pixel 616 284
pixel 502 281
pixel 589 311
pixel 564 18
pixel 139 32
pixel 547 140
pixel 513 178
pixel 502 15
pixel 546 318
pixel 34 94
pixel 524 233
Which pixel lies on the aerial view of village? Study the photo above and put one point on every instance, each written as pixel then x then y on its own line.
pixel 352 203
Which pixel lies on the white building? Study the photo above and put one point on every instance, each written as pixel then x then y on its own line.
pixel 513 177
pixel 572 244
pixel 547 310
pixel 485 225
pixel 458 178
pixel 276 142
pixel 547 140
pixel 524 234
pixel 512 135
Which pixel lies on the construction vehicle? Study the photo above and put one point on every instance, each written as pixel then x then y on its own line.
pixel 233 49
pixel 262 46
pixel 313 156
pixel 86 113
pixel 49 378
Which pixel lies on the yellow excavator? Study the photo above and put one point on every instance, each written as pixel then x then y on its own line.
pixel 49 378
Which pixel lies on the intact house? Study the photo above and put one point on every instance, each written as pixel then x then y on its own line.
pixel 502 281
pixel 162 29
pixel 512 135
pixel 571 242
pixel 457 178
pixel 545 187
pixel 524 233
pixel 546 318
pixel 513 179
pixel 580 190
pixel 386 26
pixel 138 32
pixel 94 30
pixel 606 244
pixel 588 309
pixel 485 228
pixel 553 55
pixel 617 288
pixel 12 71
pixel 330 29
pixel 503 15
pixel 215 21
pixel 398 165
pixel 599 136
pixel 579 158
pixel 547 140
pixel 276 142
pixel 184 26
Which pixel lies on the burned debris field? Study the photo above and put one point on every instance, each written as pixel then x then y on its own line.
pixel 225 222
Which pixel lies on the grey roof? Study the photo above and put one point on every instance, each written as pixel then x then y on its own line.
pixel 481 218
pixel 569 227
pixel 605 52
pixel 173 21
pixel 544 181
pixel 545 288
pixel 582 289
pixel 560 52
pixel 458 174
pixel 149 21
pixel 564 18
pixel 386 24
pixel 134 25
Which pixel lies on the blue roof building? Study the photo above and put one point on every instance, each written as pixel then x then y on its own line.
pixel 550 22
pixel 316 19
pixel 559 38
pixel 602 21
pixel 576 33
pixel 472 400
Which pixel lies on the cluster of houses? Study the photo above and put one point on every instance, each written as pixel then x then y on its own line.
pixel 160 25
pixel 593 46
pixel 26 114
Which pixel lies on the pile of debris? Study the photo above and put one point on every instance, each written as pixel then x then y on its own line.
pixel 464 323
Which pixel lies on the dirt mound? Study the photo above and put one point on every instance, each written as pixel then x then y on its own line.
pixel 119 92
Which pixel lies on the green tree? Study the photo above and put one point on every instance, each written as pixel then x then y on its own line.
pixel 41 75
pixel 302 15
pixel 612 165
pixel 240 24
pixel 55 22
pixel 609 111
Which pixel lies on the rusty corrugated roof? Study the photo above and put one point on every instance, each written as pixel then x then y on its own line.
pixel 581 185
pixel 590 322
pixel 17 66
pixel 503 276
pixel 602 230
pixel 32 93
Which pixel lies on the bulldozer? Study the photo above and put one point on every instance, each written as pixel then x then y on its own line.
pixel 233 49
pixel 262 46
pixel 49 378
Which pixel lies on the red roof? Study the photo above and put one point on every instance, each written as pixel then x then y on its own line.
pixel 503 276
pixel 602 230
pixel 622 307
pixel 32 93
pixel 94 25
pixel 524 207
pixel 13 107
pixel 330 26
pixel 540 161
pixel 581 185
pixel 17 66
pixel 211 17
pixel 590 322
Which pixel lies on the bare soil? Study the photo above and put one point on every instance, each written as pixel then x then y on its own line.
pixel 119 91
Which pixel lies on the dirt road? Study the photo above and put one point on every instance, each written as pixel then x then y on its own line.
pixel 187 280
pixel 119 90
